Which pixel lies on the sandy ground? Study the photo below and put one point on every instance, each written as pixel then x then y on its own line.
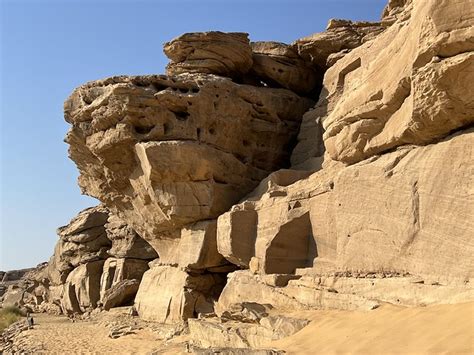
pixel 444 329
pixel 58 335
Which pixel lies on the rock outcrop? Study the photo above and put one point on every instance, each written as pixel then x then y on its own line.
pixel 391 213
pixel 26 288
pixel 96 255
pixel 225 54
pixel 211 214
pixel 410 85
pixel 162 145
pixel 279 65
pixel 341 36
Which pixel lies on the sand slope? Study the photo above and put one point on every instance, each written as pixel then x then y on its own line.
pixel 444 329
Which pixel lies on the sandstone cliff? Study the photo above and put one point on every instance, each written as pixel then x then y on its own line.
pixel 257 178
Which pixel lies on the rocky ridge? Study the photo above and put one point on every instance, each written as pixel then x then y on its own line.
pixel 260 178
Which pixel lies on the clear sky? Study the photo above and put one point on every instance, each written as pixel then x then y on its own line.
pixel 50 47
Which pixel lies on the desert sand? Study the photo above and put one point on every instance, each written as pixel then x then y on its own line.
pixel 58 335
pixel 441 329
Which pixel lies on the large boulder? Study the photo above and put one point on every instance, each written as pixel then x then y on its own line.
pixel 198 247
pixel 170 295
pixel 81 292
pixel 226 54
pixel 120 294
pixel 117 271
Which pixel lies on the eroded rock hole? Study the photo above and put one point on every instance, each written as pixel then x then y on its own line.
pixel 181 115
pixel 143 129
pixel 158 87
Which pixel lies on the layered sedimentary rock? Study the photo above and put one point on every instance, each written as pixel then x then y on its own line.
pixel 279 65
pixel 162 145
pixel 26 288
pixel 226 54
pixel 116 271
pixel 81 290
pixel 341 36
pixel 400 215
pixel 156 149
pixel 83 240
pixel 96 255
pixel 126 243
pixel 411 85
pixel 403 212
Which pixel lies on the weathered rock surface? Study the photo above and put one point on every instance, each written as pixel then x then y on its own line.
pixel 81 272
pixel 198 247
pixel 13 275
pixel 375 207
pixel 119 270
pixel 411 85
pixel 226 54
pixel 210 333
pixel 82 288
pixel 405 211
pixel 126 243
pixel 340 36
pixel 169 295
pixel 161 146
pixel 244 286
pixel 83 240
pixel 279 65
pixel 25 288
pixel 120 294
pixel 396 9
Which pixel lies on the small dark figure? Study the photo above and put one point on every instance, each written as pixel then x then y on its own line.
pixel 133 312
pixel 30 320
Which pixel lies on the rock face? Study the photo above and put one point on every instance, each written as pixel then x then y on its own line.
pixel 164 150
pixel 97 256
pixel 278 64
pixel 126 243
pixel 393 91
pixel 179 293
pixel 26 288
pixel 225 54
pixel 83 240
pixel 341 36
pixel 407 205
pixel 204 215
pixel 81 290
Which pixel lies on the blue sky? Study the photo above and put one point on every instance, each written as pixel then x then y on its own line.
pixel 50 47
